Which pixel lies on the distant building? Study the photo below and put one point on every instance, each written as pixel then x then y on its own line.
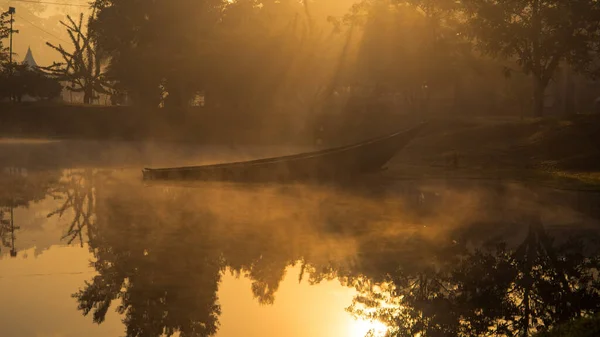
pixel 29 60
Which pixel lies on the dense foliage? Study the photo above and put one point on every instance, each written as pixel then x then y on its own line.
pixel 251 54
pixel 539 35
pixel 246 54
pixel 20 80
pixel 4 33
pixel 582 327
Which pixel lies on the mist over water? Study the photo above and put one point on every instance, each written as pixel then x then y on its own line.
pixel 220 257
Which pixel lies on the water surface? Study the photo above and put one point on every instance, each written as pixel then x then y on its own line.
pixel 410 258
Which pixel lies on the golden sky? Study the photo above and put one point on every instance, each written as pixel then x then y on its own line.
pixel 40 24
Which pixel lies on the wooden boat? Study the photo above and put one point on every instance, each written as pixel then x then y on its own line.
pixel 330 164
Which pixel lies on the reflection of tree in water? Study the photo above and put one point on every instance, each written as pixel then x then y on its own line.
pixel 162 254
pixel 163 265
pixel 148 273
pixel 20 188
pixel 6 229
pixel 491 291
pixel 164 287
pixel 76 190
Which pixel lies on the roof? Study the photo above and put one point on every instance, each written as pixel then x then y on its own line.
pixel 29 60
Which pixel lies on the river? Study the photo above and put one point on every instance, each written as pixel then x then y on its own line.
pixel 86 241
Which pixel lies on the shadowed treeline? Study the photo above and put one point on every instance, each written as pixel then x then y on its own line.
pixel 251 71
pixel 196 125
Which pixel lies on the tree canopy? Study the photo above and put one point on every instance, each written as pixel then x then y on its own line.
pixel 539 35
pixel 257 55
pixel 4 33
pixel 245 53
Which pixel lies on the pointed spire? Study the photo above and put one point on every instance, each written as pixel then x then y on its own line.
pixel 29 60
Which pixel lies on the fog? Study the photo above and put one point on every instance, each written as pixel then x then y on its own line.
pixel 378 168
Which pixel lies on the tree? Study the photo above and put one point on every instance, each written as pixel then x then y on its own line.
pixel 539 34
pixel 5 67
pixel 582 327
pixel 244 53
pixel 4 33
pixel 158 47
pixel 19 80
pixel 82 68
pixel 409 48
pixel 46 87
pixel 269 39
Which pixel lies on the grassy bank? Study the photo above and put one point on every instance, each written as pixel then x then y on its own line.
pixel 557 152
pixel 196 125
pixel 60 121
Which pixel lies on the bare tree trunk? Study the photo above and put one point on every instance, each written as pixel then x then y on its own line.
pixel 88 96
pixel 538 82
pixel 567 91
pixel 538 97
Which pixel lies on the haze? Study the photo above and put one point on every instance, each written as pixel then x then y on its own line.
pixel 266 168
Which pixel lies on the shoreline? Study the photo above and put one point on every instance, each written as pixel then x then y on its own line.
pixel 561 153
pixel 194 124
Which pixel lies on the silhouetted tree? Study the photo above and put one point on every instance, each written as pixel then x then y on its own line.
pixel 410 51
pixel 4 33
pixel 538 34
pixel 582 327
pixel 244 54
pixel 158 47
pixel 82 68
pixel 19 80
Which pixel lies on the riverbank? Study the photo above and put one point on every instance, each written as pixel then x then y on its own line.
pixel 564 153
pixel 193 124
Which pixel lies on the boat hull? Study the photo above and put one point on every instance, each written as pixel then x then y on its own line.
pixel 331 164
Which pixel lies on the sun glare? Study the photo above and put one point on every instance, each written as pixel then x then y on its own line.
pixel 361 327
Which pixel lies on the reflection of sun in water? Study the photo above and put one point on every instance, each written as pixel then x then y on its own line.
pixel 360 328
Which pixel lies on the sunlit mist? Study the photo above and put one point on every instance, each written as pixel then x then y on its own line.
pixel 299 168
